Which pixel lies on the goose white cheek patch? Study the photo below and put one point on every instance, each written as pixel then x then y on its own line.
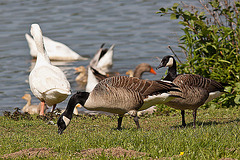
pixel 66 120
pixel 170 62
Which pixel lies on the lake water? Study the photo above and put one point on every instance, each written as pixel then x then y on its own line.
pixel 138 33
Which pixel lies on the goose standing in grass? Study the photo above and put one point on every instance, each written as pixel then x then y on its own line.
pixel 119 95
pixel 30 108
pixel 196 90
pixel 56 50
pixel 47 82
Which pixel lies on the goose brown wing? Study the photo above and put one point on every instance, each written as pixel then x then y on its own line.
pixel 98 75
pixel 144 87
pixel 198 81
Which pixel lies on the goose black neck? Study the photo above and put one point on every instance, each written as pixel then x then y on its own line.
pixel 79 97
pixel 172 72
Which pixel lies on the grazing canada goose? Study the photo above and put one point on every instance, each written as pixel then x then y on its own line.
pixel 30 108
pixel 196 90
pixel 47 82
pixel 119 95
pixel 56 50
pixel 140 69
pixel 103 59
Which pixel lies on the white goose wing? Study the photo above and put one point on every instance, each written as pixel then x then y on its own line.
pixel 47 78
pixel 59 51
pixel 55 50
pixel 106 61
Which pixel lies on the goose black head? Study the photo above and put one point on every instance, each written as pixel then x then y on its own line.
pixel 167 61
pixel 66 116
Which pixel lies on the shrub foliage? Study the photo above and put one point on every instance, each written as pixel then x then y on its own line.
pixel 211 42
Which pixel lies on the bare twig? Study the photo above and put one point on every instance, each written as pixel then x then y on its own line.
pixel 209 11
pixel 174 54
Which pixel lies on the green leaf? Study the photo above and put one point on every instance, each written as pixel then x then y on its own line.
pixel 175 5
pixel 221 60
pixel 173 16
pixel 237 99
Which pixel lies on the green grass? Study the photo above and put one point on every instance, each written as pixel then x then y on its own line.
pixel 216 135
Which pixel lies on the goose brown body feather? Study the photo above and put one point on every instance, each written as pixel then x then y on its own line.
pixel 127 92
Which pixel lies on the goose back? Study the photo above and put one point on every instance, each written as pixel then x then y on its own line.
pixel 121 94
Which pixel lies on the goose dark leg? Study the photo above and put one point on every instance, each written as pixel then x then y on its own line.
pixel 194 118
pixel 136 121
pixel 183 118
pixel 54 106
pixel 119 122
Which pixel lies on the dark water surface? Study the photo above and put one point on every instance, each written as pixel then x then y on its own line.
pixel 138 33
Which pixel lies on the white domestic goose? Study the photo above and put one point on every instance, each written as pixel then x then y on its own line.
pixel 103 59
pixel 196 90
pixel 47 82
pixel 56 50
pixel 93 78
pixel 119 95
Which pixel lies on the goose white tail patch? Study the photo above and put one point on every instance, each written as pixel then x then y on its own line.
pixel 66 120
pixel 156 99
pixel 213 95
pixel 170 62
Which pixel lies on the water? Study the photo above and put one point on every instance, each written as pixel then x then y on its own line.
pixel 138 33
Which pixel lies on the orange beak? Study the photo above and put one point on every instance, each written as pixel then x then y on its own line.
pixel 152 71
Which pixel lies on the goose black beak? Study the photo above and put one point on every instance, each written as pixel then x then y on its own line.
pixel 160 66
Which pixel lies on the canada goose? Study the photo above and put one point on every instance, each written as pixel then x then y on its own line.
pixel 47 82
pixel 119 95
pixel 30 108
pixel 103 59
pixel 196 90
pixel 56 50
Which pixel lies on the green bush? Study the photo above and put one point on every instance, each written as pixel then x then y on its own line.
pixel 211 43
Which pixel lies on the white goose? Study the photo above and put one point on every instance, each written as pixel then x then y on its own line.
pixel 93 78
pixel 119 95
pixel 47 82
pixel 103 59
pixel 55 50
